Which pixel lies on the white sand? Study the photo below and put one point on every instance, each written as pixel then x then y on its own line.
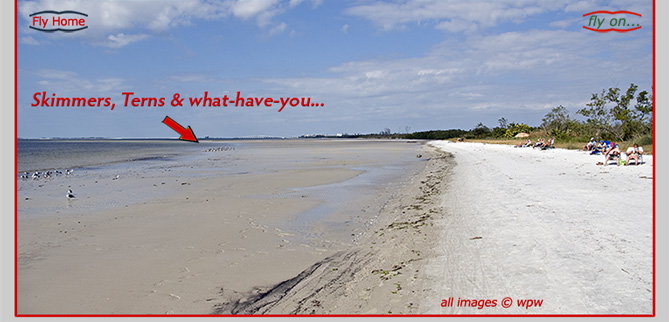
pixel 500 222
pixel 551 225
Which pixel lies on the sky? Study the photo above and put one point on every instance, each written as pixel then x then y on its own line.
pixel 402 65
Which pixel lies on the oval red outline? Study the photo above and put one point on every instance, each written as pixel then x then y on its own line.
pixel 613 12
pixel 611 29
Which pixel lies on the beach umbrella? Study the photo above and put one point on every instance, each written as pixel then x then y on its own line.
pixel 522 135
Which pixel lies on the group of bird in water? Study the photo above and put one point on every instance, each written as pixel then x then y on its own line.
pixel 221 148
pixel 48 174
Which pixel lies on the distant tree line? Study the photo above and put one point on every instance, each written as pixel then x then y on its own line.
pixel 610 115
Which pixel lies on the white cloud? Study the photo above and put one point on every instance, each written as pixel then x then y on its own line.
pixel 67 82
pixel 188 78
pixel 465 94
pixel 278 29
pixel 315 3
pixel 122 40
pixel 582 6
pixel 465 76
pixel 29 40
pixel 514 74
pixel 246 9
pixel 451 15
pixel 294 3
pixel 112 22
pixel 563 24
pixel 455 25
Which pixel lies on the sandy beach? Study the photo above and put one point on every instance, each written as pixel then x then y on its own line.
pixel 354 228
pixel 183 237
pixel 483 229
pixel 544 225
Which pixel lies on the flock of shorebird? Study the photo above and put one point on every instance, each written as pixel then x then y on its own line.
pixel 48 174
pixel 45 174
pixel 221 148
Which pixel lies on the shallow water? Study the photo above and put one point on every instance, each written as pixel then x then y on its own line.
pixel 120 173
pixel 53 154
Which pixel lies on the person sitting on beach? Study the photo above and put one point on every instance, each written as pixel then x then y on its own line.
pixel 527 143
pixel 539 143
pixel 548 144
pixel 591 145
pixel 606 145
pixel 601 147
pixel 613 153
pixel 633 153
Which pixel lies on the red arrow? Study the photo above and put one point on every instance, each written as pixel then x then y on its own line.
pixel 186 133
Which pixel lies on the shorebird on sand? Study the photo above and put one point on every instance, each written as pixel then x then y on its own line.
pixel 69 194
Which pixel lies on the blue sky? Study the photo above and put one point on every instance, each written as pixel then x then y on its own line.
pixel 417 65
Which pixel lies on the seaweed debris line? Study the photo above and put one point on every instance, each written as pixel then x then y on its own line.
pixel 381 274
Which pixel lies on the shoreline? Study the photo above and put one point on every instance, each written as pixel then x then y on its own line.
pixel 381 274
pixel 174 254
pixel 497 223
pixel 474 221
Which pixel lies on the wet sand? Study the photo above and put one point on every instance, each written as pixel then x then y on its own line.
pixel 483 228
pixel 382 273
pixel 186 237
pixel 462 221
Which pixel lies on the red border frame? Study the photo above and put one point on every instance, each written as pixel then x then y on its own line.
pixel 16 183
pixel 16 314
pixel 654 167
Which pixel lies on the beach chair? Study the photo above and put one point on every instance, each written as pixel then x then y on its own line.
pixel 614 158
pixel 639 153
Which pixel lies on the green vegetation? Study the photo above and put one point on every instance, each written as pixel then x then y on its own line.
pixel 436 135
pixel 625 118
pixel 610 115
